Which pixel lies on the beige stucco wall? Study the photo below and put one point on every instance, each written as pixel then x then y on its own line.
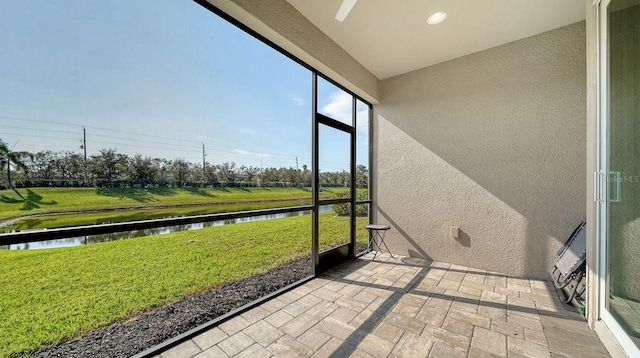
pixel 493 142
pixel 282 24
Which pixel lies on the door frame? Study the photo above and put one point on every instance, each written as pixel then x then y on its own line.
pixel 323 260
pixel 601 186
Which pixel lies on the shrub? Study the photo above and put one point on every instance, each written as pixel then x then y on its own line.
pixel 343 209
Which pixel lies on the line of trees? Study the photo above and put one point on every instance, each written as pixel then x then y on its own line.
pixel 112 169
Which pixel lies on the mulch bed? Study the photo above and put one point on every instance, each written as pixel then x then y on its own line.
pixel 157 325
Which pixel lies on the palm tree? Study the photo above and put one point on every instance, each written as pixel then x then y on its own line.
pixel 9 157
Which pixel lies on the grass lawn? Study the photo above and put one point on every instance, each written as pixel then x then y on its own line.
pixel 46 200
pixel 53 295
pixel 92 218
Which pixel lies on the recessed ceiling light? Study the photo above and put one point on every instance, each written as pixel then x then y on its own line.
pixel 436 18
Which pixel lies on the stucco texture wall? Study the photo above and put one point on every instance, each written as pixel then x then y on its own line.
pixel 494 143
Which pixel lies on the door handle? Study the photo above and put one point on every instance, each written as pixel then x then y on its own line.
pixel 598 185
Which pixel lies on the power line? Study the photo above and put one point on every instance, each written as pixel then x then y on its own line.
pixel 39 121
pixel 138 140
pixel 38 129
pixel 142 146
pixel 287 159
pixel 290 162
pixel 38 136
pixel 144 135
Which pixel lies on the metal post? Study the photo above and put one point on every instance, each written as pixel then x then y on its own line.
pixel 315 212
pixel 204 165
pixel 352 179
pixel 84 147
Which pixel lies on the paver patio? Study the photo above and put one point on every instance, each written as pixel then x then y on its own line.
pixel 404 307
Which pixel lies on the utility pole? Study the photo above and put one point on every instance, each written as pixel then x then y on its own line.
pixel 297 164
pixel 204 165
pixel 84 146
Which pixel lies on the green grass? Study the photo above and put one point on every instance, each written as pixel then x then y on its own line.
pixel 92 218
pixel 53 295
pixel 20 202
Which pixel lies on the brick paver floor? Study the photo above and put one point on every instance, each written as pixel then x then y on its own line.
pixel 404 307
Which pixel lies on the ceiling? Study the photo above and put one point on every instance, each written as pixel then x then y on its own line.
pixel 391 37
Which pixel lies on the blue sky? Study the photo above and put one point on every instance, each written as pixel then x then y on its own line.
pixel 157 78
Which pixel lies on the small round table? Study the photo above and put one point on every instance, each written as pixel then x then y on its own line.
pixel 377 231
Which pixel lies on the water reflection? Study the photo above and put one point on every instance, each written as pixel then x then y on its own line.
pixel 108 217
pixel 92 239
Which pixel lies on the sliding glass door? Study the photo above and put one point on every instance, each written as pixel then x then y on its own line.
pixel 618 179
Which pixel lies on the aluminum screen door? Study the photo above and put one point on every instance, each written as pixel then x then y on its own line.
pixel 333 152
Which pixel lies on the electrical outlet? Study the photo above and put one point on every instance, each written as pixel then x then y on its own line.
pixel 455 232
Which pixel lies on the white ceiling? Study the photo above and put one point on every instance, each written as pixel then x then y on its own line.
pixel 391 37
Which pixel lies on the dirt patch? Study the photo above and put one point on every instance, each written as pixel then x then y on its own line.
pixel 157 325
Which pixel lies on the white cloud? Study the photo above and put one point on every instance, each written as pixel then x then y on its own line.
pixel 242 151
pixel 362 125
pixel 338 106
pixel 247 131
pixel 246 152
pixel 297 101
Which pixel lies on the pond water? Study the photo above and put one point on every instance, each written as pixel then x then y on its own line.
pixel 125 215
pixel 92 239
